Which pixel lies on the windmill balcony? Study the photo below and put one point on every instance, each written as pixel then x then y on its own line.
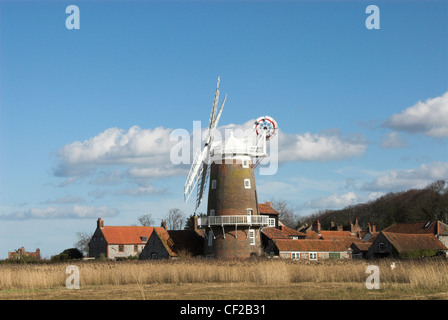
pixel 233 220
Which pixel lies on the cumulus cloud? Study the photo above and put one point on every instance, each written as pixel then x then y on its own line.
pixel 320 147
pixel 115 147
pixel 397 180
pixel 427 117
pixel 74 212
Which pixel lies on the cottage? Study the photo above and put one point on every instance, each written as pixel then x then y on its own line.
pixel 170 244
pixel 434 227
pixel 310 249
pixel 118 241
pixel 267 210
pixel 390 244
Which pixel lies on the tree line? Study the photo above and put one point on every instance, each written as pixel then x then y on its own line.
pixel 413 205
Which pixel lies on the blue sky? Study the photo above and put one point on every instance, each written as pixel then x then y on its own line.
pixel 86 115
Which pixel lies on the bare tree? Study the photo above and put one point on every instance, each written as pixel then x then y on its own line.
pixel 176 219
pixel 146 220
pixel 285 214
pixel 82 244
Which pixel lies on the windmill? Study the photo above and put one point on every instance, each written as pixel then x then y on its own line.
pixel 233 222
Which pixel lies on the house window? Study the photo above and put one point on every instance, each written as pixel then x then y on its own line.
pixel 212 212
pixel 154 256
pixel 120 248
pixel 213 184
pixel 247 183
pixel 144 239
pixel 135 248
pixel 245 163
pixel 381 247
pixel 313 255
pixel 271 222
pixel 252 236
pixel 210 238
pixel 295 255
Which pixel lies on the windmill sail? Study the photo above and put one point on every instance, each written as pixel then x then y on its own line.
pixel 200 168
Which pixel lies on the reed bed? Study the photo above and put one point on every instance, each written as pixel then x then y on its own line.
pixel 429 273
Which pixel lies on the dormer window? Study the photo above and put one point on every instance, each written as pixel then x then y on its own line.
pixel 144 239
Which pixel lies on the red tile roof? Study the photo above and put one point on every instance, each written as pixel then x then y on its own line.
pixel 409 242
pixel 423 227
pixel 127 234
pixel 265 208
pixel 282 232
pixel 327 235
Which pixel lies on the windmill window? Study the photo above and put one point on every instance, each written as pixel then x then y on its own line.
pixel 213 184
pixel 249 211
pixel 245 163
pixel 252 236
pixel 212 212
pixel 247 183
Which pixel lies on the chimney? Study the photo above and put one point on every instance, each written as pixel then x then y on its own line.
pixel 100 223
pixel 316 226
pixel 163 225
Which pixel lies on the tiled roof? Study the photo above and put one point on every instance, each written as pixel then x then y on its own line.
pixel 311 245
pixel 362 246
pixel 423 227
pixel 408 242
pixel 327 235
pixel 282 232
pixel 127 234
pixel 266 208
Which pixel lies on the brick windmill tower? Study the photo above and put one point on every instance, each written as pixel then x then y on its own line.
pixel 233 222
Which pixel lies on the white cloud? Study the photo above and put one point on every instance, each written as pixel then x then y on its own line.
pixel 428 117
pixel 392 140
pixel 334 201
pixel 115 147
pixel 319 147
pixel 74 212
pixel 398 180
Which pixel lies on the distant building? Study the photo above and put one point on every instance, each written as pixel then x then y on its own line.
pixel 434 227
pixel 20 253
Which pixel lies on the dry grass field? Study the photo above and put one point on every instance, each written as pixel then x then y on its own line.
pixel 189 279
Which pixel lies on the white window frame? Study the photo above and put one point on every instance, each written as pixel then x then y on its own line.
pixel 249 211
pixel 213 184
pixel 247 183
pixel 313 255
pixel 245 163
pixel 271 222
pixel 295 255
pixel 252 237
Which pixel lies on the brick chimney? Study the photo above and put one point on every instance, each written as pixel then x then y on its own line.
pixel 163 224
pixel 100 223
pixel 316 226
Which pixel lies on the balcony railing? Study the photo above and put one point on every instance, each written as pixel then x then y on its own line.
pixel 243 220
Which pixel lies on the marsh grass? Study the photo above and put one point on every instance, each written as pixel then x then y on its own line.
pixel 426 275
